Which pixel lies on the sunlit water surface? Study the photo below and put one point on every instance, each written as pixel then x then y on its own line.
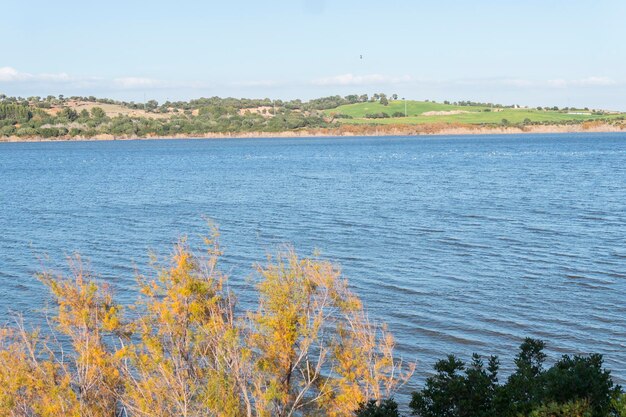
pixel 460 244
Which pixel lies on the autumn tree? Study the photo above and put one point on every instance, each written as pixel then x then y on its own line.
pixel 187 360
pixel 185 349
pixel 317 349
pixel 31 382
pixel 86 315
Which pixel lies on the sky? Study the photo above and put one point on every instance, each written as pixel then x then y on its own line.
pixel 531 52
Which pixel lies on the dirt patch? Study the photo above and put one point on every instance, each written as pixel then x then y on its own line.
pixel 111 110
pixel 265 111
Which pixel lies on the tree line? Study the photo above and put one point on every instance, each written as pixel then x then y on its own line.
pixel 14 113
pixel 210 119
pixel 30 117
pixel 322 103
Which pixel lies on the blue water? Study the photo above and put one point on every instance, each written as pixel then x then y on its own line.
pixel 460 244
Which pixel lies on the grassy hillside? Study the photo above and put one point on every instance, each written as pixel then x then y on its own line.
pixel 414 108
pixel 90 117
pixel 470 114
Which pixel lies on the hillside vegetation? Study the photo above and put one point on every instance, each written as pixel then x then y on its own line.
pixel 431 112
pixel 90 117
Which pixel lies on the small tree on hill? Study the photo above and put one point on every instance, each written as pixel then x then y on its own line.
pixel 97 113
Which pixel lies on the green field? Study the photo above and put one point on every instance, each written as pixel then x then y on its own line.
pixel 475 114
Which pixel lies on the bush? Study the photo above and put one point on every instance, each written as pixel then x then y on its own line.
pixel 385 408
pixel 574 386
pixel 98 113
pixel 308 348
pixel 569 409
pixel 381 115
pixel 580 378
pixel 457 391
pixel 48 132
pixel 68 114
pixel 75 132
pixel 7 130
pixel 618 403
pixel 341 116
pixel 24 132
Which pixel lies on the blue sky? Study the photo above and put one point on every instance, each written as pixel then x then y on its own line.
pixel 549 52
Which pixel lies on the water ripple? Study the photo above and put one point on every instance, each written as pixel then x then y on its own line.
pixel 461 244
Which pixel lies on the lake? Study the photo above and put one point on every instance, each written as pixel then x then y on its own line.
pixel 460 244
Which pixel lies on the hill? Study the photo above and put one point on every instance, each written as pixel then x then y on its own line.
pixel 431 112
pixel 110 109
pixel 95 118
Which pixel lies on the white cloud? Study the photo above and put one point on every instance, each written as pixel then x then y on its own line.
pixel 593 81
pixel 351 79
pixel 10 74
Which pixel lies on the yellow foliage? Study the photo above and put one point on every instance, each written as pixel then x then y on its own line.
pixel 307 349
pixel 316 348
pixel 86 312
pixel 30 385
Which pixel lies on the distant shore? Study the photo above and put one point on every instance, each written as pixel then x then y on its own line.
pixel 362 130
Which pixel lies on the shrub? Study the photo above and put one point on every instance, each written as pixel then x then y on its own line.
pixel 569 409
pixel 308 348
pixel 384 408
pixel 26 132
pixel 580 378
pixel 381 115
pixel 7 130
pixel 458 391
pixel 574 386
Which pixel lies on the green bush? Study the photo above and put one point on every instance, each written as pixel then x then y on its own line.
pixel 569 409
pixel 574 387
pixel 7 130
pixel 381 115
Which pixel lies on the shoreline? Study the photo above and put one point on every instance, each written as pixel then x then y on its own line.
pixel 357 130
